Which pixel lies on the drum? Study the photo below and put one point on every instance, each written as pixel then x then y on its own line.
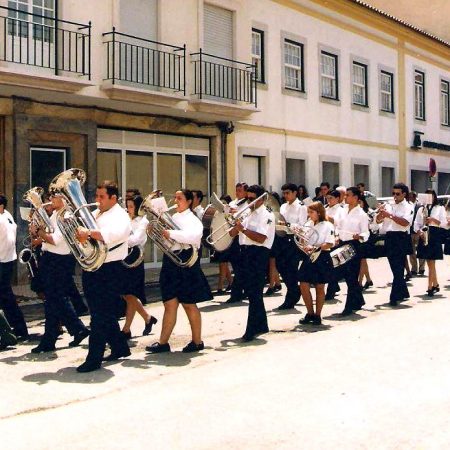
pixel 215 227
pixel 342 255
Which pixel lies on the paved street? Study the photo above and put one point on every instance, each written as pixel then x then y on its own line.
pixel 378 379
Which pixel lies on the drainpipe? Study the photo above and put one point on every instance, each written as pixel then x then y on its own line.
pixel 225 128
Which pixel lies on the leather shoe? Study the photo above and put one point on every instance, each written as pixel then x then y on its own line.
pixel 248 337
pixel 7 340
pixel 309 318
pixel 233 300
pixel 316 320
pixel 367 285
pixel 277 287
pixel 284 306
pixel 149 325
pixel 114 356
pixel 83 334
pixel 193 347
pixel 346 312
pixel 43 348
pixel 158 348
pixel 270 291
pixel 393 303
pixel 88 366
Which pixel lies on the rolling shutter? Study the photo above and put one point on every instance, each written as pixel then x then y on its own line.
pixel 218 31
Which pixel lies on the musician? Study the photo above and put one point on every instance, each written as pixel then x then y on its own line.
pixel 353 228
pixel 56 267
pixel 398 219
pixel 104 286
pixel 197 207
pixel 8 255
pixel 237 288
pixel 365 248
pixel 324 188
pixel 185 285
pixel 132 192
pixel 135 276
pixel 288 256
pixel 7 337
pixel 415 268
pixel 317 272
pixel 433 217
pixel 256 234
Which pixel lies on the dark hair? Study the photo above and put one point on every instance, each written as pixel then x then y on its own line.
pixel 413 193
pixel 3 200
pixel 133 191
pixel 334 193
pixel 289 187
pixel 111 188
pixel 199 194
pixel 402 187
pixel 335 186
pixel 361 184
pixel 305 191
pixel 365 205
pixel 325 183
pixel 242 184
pixel 137 201
pixel 355 191
pixel 317 190
pixel 188 195
pixel 320 209
pixel 433 193
pixel 227 198
pixel 256 189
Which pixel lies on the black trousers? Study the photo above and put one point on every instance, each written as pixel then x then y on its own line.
pixel 57 277
pixel 397 246
pixel 287 259
pixel 8 301
pixel 253 270
pixel 237 288
pixel 102 289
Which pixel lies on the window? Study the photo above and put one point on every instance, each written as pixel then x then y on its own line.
pixel 329 75
pixel 445 102
pixel 359 85
pixel 258 54
pixel 295 171
pixel 45 164
pixel 361 175
pixel 386 91
pixel 419 95
pixel 387 180
pixel 293 66
pixel 330 172
pixel 251 170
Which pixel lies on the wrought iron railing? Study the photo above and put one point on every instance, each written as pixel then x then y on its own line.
pixel 224 78
pixel 46 42
pixel 145 62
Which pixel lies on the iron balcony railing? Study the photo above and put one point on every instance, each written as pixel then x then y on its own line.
pixel 47 42
pixel 145 62
pixel 224 78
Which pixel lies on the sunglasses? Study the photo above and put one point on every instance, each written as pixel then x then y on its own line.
pixel 396 194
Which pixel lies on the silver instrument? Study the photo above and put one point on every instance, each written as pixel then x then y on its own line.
pixel 306 237
pixel 76 213
pixel 134 258
pixel 159 221
pixel 425 230
pixel 342 255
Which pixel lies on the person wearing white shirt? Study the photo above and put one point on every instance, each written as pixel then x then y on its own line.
pixel 352 227
pixel 287 256
pixel 256 234
pixel 135 276
pixel 434 218
pixel 397 218
pixel 8 255
pixel 185 285
pixel 316 272
pixel 103 288
pixel 417 266
pixel 197 207
pixel 56 268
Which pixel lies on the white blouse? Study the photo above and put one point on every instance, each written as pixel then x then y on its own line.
pixel 138 234
pixel 437 212
pixel 60 246
pixel 190 230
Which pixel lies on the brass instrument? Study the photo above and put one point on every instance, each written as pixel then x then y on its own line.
pixel 134 258
pixel 160 221
pixel 76 213
pixel 305 238
pixel 425 230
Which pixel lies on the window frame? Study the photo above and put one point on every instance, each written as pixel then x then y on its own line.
pixel 300 68
pixel 445 103
pixel 364 86
pixel 335 58
pixel 417 87
pixel 392 105
pixel 260 74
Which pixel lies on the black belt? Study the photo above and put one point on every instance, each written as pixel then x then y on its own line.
pixel 115 246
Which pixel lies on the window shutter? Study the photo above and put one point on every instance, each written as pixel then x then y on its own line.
pixel 218 31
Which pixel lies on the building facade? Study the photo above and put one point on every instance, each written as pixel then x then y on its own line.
pixel 201 94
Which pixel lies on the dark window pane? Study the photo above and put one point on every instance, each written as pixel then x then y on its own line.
pixel 45 165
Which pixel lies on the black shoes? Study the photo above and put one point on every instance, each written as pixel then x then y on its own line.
pixel 367 285
pixel 149 325
pixel 408 277
pixel 284 306
pixel 219 292
pixel 422 272
pixel 43 348
pixel 114 356
pixel 88 366
pixel 393 303
pixel 127 334
pixel 7 340
pixel 233 300
pixel 193 347
pixel 346 312
pixel 79 337
pixel 272 290
pixel 158 348
pixel 430 292
pixel 313 319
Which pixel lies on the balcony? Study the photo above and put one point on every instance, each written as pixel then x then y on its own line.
pixel 224 86
pixel 44 52
pixel 143 70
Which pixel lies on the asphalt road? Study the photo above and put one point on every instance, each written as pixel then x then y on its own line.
pixel 377 379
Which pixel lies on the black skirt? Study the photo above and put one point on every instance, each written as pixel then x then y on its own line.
pixel 188 285
pixel 433 250
pixel 134 283
pixel 318 272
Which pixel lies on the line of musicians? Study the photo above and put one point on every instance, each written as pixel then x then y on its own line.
pixel 254 240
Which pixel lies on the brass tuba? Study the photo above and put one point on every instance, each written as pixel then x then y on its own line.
pixel 160 221
pixel 38 215
pixel 76 213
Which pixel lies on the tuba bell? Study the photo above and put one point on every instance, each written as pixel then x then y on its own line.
pixel 76 213
pixel 38 215
pixel 159 221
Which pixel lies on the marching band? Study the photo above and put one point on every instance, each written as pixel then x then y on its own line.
pixel 315 243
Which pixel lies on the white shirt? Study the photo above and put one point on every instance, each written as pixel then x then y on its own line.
pixel 263 222
pixel 325 233
pixel 60 247
pixel 437 212
pixel 295 213
pixel 115 227
pixel 352 221
pixel 333 211
pixel 234 204
pixel 199 211
pixel 404 210
pixel 190 230
pixel 138 234
pixel 8 230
